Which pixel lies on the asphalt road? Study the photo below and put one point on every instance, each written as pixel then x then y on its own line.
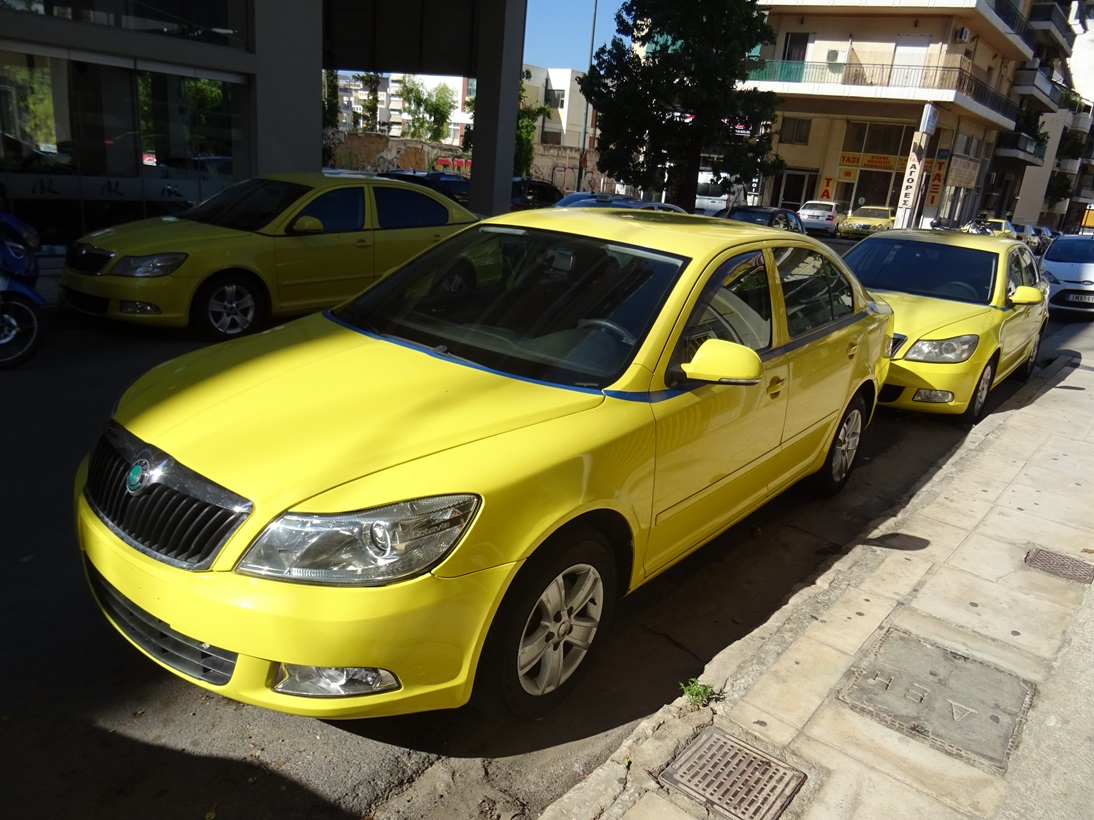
pixel 93 729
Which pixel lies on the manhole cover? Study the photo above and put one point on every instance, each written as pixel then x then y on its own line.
pixel 965 707
pixel 733 778
pixel 1062 566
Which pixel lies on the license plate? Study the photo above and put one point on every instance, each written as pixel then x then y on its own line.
pixel 1081 297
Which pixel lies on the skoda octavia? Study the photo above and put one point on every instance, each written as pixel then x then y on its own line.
pixel 445 484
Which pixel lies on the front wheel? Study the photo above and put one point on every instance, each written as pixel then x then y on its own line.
pixel 979 401
pixel 841 453
pixel 22 328
pixel 546 629
pixel 229 305
pixel 1030 364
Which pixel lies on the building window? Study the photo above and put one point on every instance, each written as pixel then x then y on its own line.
pixel 551 138
pixel 794 131
pixel 555 99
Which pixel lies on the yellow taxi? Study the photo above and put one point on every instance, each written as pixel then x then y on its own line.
pixel 970 310
pixel 272 246
pixel 867 220
pixel 428 491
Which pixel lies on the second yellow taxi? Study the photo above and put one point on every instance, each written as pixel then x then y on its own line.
pixel 430 491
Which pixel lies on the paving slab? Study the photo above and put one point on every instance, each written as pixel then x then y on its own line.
pixel 1004 563
pixel 799 681
pixel 897 576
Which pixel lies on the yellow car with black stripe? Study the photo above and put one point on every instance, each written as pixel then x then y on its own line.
pixel 272 246
pixel 432 490
pixel 970 310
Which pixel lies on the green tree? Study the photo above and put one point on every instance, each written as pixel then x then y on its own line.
pixel 330 112
pixel 429 112
pixel 371 82
pixel 527 116
pixel 673 99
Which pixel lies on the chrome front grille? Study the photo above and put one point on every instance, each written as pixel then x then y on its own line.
pixel 85 258
pixel 157 505
pixel 188 656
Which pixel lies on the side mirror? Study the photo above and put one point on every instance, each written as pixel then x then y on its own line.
pixel 723 362
pixel 1026 295
pixel 307 224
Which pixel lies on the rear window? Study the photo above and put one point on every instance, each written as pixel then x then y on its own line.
pixel 817 206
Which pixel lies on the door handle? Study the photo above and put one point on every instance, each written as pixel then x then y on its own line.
pixel 852 349
pixel 436 237
pixel 775 386
pixel 363 243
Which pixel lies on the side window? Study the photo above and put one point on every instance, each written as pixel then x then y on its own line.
pixel 1030 275
pixel 397 208
pixel 340 210
pixel 815 292
pixel 1014 271
pixel 542 193
pixel 735 306
pixel 780 222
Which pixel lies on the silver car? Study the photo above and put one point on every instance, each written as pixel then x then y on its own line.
pixel 822 215
pixel 1068 265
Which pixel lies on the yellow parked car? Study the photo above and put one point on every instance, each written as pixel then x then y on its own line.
pixel 375 509
pixel 867 220
pixel 970 310
pixel 272 246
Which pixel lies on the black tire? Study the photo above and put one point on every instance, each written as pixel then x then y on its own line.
pixel 545 631
pixel 22 329
pixel 979 401
pixel 840 460
pixel 1030 364
pixel 229 305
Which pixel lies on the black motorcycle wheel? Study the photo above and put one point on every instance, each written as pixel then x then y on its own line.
pixel 22 326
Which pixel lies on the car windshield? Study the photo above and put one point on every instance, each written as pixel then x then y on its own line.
pixel 872 213
pixel 925 269
pixel 817 206
pixel 1067 249
pixel 755 217
pixel 552 307
pixel 247 206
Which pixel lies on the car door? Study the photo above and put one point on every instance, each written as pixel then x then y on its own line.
pixel 1019 322
pixel 406 223
pixel 715 443
pixel 825 328
pixel 329 261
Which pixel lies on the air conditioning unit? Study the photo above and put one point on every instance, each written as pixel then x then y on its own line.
pixel 833 55
pixel 962 35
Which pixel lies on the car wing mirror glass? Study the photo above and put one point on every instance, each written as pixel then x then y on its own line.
pixel 724 362
pixel 1026 295
pixel 307 224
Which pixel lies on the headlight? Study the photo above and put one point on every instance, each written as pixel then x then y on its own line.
pixel 366 548
pixel 957 349
pixel 159 264
pixel 1052 280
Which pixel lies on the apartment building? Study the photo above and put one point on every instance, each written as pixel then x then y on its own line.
pixel 931 108
pixel 557 88
pixel 353 101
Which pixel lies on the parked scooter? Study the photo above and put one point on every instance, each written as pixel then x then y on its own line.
pixel 22 308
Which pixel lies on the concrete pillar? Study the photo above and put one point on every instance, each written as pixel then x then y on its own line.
pixel 500 62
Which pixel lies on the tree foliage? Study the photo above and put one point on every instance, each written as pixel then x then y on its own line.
pixel 370 80
pixel 671 104
pixel 426 114
pixel 527 115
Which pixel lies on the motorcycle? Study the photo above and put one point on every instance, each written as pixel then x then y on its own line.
pixel 22 308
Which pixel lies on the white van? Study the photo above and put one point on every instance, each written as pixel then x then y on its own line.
pixel 709 198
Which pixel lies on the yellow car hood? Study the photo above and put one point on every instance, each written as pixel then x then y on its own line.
pixel 287 414
pixel 922 316
pixel 165 234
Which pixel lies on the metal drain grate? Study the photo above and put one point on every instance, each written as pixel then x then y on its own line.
pixel 1062 566
pixel 732 778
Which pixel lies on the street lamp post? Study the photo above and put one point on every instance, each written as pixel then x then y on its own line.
pixel 585 116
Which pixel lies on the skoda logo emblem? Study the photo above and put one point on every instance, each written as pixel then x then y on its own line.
pixel 138 477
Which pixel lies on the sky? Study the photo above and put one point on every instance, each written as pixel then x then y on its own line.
pixel 558 31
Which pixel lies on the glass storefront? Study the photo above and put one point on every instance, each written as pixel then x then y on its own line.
pixel 220 22
pixel 86 145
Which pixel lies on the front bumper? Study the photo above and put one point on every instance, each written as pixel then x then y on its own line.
pixel 847 229
pixel 905 378
pixel 228 633
pixel 1065 297
pixel 104 295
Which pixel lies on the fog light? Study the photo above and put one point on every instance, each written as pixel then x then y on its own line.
pixel 145 308
pixel 333 681
pixel 933 396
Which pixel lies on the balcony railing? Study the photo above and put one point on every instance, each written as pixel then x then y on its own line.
pixel 1050 12
pixel 1041 81
pixel 898 76
pixel 1010 15
pixel 1017 141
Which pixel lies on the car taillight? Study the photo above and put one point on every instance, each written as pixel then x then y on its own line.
pixel 829 218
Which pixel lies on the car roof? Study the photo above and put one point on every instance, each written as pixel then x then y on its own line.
pixel 683 234
pixel 965 240
pixel 767 209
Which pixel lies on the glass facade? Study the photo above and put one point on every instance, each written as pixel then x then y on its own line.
pixel 220 22
pixel 85 145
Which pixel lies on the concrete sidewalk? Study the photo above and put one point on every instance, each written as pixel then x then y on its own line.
pixel 941 668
